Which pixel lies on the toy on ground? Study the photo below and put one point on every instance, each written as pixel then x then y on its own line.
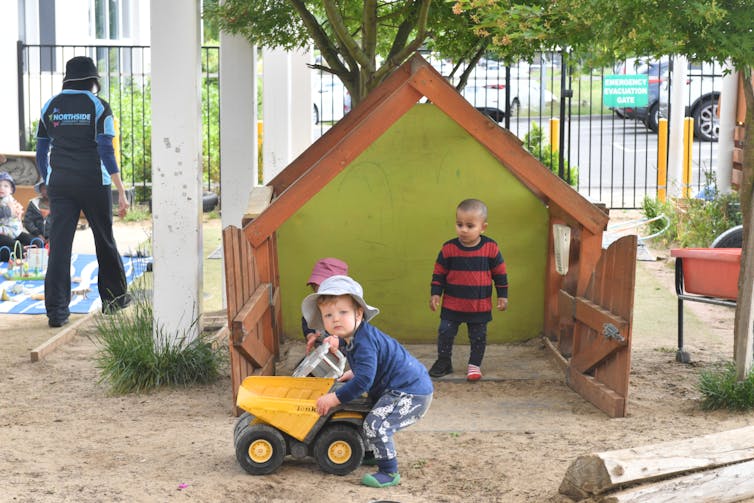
pixel 281 419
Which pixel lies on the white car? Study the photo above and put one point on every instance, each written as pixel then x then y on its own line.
pixel 330 98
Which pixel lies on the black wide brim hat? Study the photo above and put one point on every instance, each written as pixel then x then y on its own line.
pixel 80 68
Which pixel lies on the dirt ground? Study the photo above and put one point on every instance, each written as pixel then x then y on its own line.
pixel 509 438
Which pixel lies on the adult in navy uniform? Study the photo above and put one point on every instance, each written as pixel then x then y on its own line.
pixel 76 159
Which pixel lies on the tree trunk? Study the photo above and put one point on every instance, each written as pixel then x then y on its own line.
pixel 744 322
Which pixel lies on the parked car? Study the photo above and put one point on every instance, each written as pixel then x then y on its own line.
pixel 330 98
pixel 656 72
pixel 704 81
pixel 490 97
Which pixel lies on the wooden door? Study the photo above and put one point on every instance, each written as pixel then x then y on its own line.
pixel 600 361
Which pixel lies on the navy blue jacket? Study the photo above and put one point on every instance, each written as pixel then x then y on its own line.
pixel 381 364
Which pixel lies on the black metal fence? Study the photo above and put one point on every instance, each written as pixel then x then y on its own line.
pixel 609 156
pixel 125 81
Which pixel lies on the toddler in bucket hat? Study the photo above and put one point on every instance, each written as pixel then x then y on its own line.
pixel 335 286
pixel 395 382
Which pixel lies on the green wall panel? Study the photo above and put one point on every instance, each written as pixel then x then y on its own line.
pixel 388 213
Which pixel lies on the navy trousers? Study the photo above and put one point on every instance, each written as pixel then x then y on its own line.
pixel 66 204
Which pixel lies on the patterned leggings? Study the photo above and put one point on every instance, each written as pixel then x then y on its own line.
pixel 392 412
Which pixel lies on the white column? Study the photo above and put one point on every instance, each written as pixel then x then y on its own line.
pixel 176 167
pixel 238 126
pixel 301 102
pixel 9 134
pixel 678 99
pixel 728 98
pixel 276 112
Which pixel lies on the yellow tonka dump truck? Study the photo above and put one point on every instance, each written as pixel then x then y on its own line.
pixel 281 419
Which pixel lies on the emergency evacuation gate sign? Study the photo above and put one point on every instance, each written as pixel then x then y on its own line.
pixel 620 91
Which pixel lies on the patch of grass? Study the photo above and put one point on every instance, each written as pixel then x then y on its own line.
pixel 721 389
pixel 131 361
pixel 137 213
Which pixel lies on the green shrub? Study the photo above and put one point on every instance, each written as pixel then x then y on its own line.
pixel 652 208
pixel 721 389
pixel 130 360
pixel 536 144
pixel 694 222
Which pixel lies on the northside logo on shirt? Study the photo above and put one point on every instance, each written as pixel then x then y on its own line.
pixel 57 118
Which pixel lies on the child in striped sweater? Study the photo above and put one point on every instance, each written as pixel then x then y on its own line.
pixel 465 272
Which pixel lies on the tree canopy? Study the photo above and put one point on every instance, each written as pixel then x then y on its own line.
pixel 361 41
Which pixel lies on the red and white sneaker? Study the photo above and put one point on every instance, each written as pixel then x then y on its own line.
pixel 473 373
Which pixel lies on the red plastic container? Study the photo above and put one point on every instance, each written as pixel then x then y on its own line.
pixel 710 271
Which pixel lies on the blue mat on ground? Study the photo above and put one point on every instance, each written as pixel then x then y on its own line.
pixel 85 297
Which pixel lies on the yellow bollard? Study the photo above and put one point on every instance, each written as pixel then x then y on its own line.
pixel 688 143
pixel 554 135
pixel 662 160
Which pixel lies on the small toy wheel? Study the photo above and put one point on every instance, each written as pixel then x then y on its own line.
pixel 260 449
pixel 242 422
pixel 339 449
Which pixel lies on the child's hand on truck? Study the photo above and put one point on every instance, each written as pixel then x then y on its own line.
pixel 326 402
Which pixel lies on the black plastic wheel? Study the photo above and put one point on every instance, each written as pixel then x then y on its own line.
pixel 653 117
pixel 260 449
pixel 732 238
pixel 209 201
pixel 339 449
pixel 242 422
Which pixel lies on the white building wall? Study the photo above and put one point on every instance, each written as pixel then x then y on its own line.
pixel 8 86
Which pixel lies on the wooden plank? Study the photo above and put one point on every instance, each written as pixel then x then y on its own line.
pixel 720 485
pixel 738 155
pixel 259 199
pixel 600 346
pixel 597 473
pixel 507 147
pixel 559 359
pixel 360 136
pixel 232 271
pixel 251 347
pixel 739 133
pixel 251 312
pixel 602 397
pixel 62 337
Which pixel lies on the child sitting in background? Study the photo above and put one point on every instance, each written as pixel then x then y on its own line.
pixel 11 228
pixel 37 218
pixel 323 269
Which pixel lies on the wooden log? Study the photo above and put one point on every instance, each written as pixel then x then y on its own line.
pixel 720 485
pixel 597 473
pixel 62 337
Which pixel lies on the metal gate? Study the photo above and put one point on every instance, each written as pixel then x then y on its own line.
pixel 610 156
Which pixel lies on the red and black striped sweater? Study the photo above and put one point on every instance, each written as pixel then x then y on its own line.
pixel 464 276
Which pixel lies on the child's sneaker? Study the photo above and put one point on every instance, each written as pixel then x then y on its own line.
pixel 380 479
pixel 473 373
pixel 441 367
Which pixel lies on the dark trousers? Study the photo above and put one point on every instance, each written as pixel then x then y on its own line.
pixel 67 204
pixel 447 332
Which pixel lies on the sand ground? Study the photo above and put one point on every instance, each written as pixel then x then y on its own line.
pixel 509 438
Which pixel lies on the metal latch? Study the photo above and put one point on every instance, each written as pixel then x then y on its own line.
pixel 610 331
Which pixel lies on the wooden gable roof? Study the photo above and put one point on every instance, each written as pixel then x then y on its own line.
pixel 387 103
